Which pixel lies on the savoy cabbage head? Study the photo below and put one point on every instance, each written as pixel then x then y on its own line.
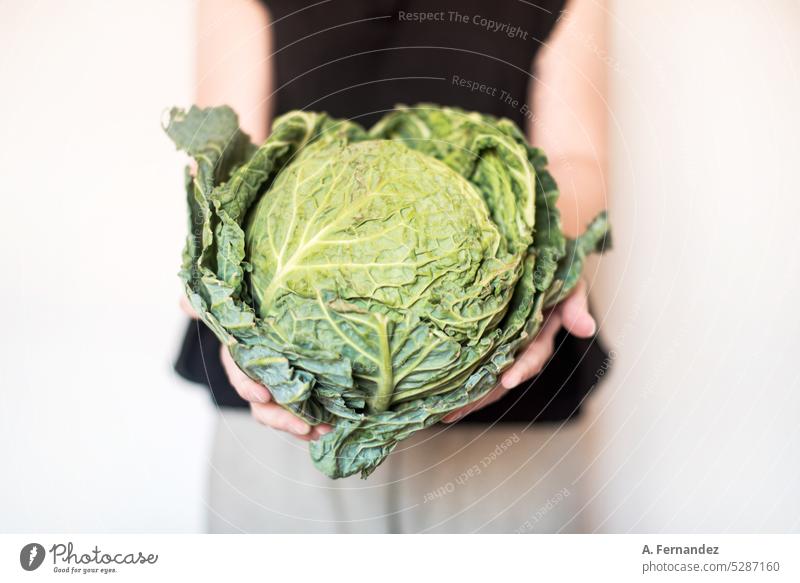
pixel 373 279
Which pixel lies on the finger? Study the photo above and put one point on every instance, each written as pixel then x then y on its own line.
pixel 575 313
pixel 187 308
pixel 534 357
pixel 248 389
pixel 319 430
pixel 494 395
pixel 275 416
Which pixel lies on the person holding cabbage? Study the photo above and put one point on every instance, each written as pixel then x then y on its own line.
pixel 472 369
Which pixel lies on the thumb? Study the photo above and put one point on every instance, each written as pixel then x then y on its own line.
pixel 575 315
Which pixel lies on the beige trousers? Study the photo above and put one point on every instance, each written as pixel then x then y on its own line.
pixel 448 479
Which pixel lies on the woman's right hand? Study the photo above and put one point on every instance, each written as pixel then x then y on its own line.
pixel 261 406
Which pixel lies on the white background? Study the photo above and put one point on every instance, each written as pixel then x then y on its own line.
pixel 697 428
pixel 96 432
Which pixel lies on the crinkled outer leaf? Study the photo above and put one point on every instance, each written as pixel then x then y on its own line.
pixel 393 360
pixel 214 258
pixel 548 242
pixel 376 280
pixel 596 239
pixel 213 138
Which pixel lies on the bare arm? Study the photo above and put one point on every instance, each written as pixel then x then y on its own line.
pixel 234 44
pixel 569 102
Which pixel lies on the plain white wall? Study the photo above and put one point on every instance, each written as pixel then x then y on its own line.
pixel 96 433
pixel 697 428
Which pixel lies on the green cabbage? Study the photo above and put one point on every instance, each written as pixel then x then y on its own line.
pixel 373 279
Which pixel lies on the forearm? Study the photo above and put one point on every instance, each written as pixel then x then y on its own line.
pixel 569 103
pixel 234 64
pixel 582 186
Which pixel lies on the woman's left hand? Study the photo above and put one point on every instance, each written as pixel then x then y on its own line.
pixel 573 314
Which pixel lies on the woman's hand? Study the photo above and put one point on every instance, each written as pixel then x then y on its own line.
pixel 261 406
pixel 573 314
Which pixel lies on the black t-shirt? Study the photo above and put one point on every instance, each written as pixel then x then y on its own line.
pixel 358 58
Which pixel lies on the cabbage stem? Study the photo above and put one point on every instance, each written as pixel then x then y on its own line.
pixel 385 389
